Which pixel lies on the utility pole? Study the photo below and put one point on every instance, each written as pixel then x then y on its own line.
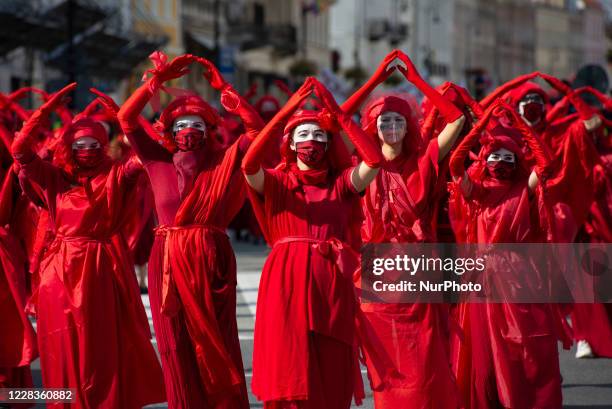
pixel 216 34
pixel 71 69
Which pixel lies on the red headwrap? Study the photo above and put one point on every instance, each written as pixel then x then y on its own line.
pixel 413 141
pixel 498 136
pixel 182 106
pixel 267 98
pixel 81 127
pixel 514 96
pixel 337 152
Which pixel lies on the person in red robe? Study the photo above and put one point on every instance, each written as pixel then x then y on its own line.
pixel 138 232
pixel 18 347
pixel 571 184
pixel 398 208
pixel 92 330
pixel 508 355
pixel 592 323
pixel 304 352
pixel 198 189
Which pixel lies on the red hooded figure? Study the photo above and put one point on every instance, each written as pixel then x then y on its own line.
pixel 304 352
pixel 198 189
pixel 18 347
pixel 508 355
pixel 571 184
pixel 398 208
pixel 592 323
pixel 92 330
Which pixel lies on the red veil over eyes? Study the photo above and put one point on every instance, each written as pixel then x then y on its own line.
pixel 413 141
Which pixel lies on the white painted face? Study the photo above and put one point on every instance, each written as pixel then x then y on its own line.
pixel 502 154
pixel 391 127
pixel 308 131
pixel 86 142
pixel 188 121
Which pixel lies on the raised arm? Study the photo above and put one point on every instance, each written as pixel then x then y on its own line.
pixel 232 101
pixel 504 88
pixel 384 70
pixel 368 149
pixel 31 166
pixel 129 114
pixel 457 160
pixel 538 149
pixel 251 164
pixel 453 116
pixel 588 115
pixel 22 144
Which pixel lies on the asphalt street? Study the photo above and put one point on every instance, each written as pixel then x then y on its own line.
pixel 587 383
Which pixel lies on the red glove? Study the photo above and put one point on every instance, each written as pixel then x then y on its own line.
pixel 584 110
pixel 165 72
pixel 251 92
pixel 352 104
pixel 457 160
pixel 131 109
pixel 233 102
pixel 283 87
pixel 107 102
pixel 21 93
pixel 22 143
pixel 504 88
pixel 427 129
pixel 540 152
pixel 605 100
pixel 367 148
pixel 447 109
pixel 474 106
pixel 251 163
pixel 212 74
pixel 559 110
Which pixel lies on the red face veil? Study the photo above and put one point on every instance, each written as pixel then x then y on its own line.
pixel 73 156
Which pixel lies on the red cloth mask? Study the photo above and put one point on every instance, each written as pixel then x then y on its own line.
pixel 501 170
pixel 88 158
pixel 189 139
pixel 312 153
pixel 533 112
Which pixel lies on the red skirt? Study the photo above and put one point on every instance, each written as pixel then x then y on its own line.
pixel 91 333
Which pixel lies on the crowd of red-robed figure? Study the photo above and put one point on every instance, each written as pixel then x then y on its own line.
pixel 83 203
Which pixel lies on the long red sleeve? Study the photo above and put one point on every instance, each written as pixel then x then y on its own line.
pixel 251 163
pixel 367 148
pixel 540 153
pixel 457 160
pixel 352 104
pixel 504 88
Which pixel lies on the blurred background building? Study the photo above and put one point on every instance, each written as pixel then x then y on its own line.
pixel 476 43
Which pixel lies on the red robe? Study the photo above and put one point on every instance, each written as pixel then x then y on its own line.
pixel 192 271
pixel 18 347
pixel 304 353
pixel 508 356
pixel 398 209
pixel 92 329
pixel 593 322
